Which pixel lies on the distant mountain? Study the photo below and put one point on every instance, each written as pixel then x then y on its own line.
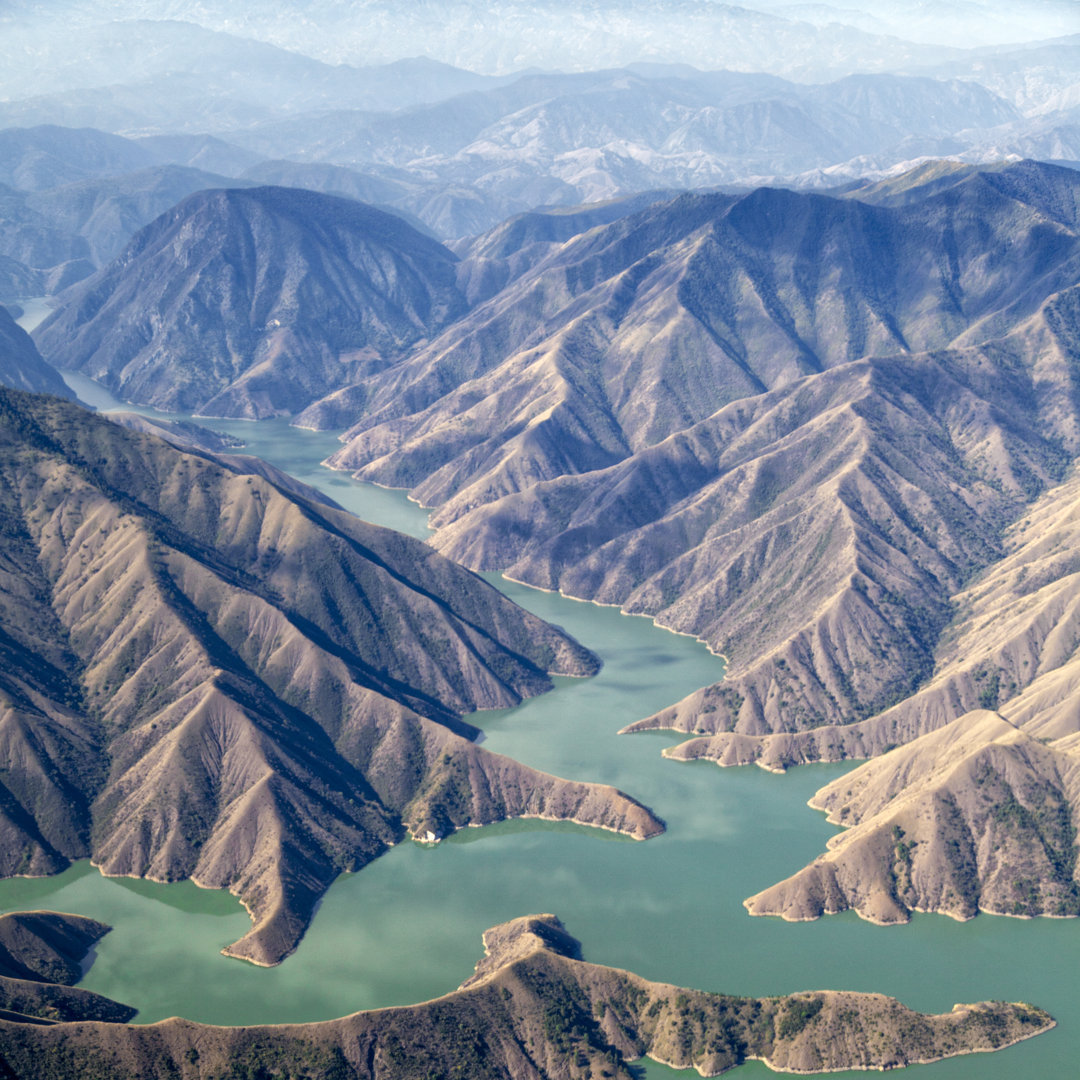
pixel 67 232
pixel 167 70
pixel 682 410
pixel 532 990
pixel 47 156
pixel 21 365
pixel 495 38
pixel 207 675
pixel 254 303
pixel 558 139
pixel 198 152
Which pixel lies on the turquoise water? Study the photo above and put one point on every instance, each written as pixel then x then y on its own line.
pixel 408 926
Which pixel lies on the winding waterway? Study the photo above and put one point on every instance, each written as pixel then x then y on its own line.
pixel 408 926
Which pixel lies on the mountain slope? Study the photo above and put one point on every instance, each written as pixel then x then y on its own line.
pixel 790 425
pixel 21 365
pixel 252 303
pixel 1010 646
pixel 639 329
pixel 207 675
pixel 976 809
pixel 534 1010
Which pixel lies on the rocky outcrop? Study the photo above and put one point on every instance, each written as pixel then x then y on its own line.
pixel 209 675
pixel 534 1011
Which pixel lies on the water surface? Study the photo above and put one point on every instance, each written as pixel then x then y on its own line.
pixel 408 926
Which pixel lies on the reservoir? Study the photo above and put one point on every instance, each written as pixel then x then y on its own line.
pixel 407 927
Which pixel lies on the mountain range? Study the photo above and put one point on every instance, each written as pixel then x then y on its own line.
pixel 656 408
pixel 209 675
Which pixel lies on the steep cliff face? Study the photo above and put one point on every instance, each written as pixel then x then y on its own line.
pixel 254 303
pixel 533 1011
pixel 209 675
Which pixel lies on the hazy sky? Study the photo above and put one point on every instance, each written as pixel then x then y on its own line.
pixel 498 34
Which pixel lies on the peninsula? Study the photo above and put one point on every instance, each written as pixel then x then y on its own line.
pixel 534 1010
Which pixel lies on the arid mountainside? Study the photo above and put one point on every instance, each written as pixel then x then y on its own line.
pixel 791 425
pixel 976 809
pixel 207 675
pixel 254 303
pixel 623 335
pixel 534 1011
pixel 41 955
pixel 1010 646
pixel 21 365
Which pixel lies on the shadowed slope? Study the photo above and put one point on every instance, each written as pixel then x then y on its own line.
pixel 41 957
pixel 534 1011
pixel 21 365
pixel 262 301
pixel 214 677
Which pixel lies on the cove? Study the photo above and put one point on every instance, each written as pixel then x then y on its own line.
pixel 408 926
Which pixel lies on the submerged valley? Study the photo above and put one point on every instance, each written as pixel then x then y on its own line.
pixel 416 481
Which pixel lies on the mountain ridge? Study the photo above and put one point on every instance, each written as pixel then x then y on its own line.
pixel 209 675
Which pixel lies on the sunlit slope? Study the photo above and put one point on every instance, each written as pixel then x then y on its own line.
pixel 977 809
pixel 209 676
pixel 535 1010
pixel 796 448
pixel 633 331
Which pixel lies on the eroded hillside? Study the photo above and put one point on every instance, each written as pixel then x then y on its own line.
pixel 208 675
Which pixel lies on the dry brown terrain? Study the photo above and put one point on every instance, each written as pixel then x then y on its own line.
pixel 533 1011
pixel 976 810
pixel 208 675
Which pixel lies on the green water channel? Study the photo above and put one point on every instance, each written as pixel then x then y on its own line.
pixel 408 926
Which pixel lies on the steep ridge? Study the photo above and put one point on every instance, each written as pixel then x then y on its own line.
pixel 1010 646
pixel 21 365
pixel 976 809
pixel 208 675
pixel 977 816
pixel 41 956
pixel 534 1010
pixel 254 302
pixel 629 333
pixel 868 489
pixel 812 535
